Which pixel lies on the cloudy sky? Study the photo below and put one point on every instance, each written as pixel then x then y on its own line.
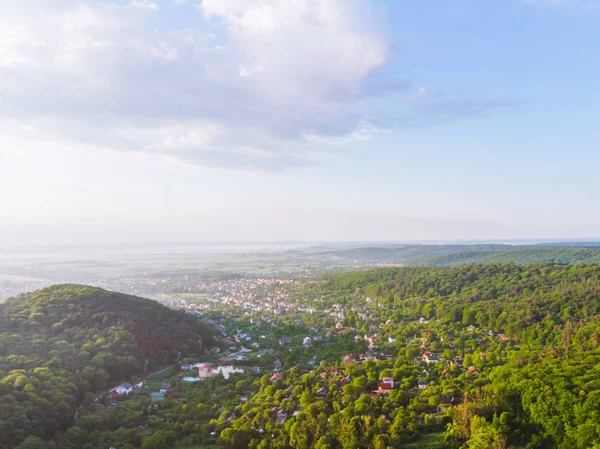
pixel 165 120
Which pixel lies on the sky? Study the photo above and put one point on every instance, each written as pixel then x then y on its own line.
pixel 314 120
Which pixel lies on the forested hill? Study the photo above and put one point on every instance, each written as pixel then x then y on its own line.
pixel 500 297
pixel 62 342
pixel 456 255
pixel 477 357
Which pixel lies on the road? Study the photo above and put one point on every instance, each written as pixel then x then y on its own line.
pixel 149 376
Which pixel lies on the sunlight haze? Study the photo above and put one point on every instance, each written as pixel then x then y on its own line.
pixel 317 120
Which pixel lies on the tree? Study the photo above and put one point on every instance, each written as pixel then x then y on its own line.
pixel 32 442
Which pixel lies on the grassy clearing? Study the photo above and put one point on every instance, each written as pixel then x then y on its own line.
pixel 424 441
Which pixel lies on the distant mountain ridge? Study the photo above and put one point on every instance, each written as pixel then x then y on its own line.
pixel 455 255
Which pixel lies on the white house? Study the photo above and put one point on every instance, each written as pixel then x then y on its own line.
pixel 391 339
pixel 432 358
pixel 388 380
pixel 124 388
pixel 307 341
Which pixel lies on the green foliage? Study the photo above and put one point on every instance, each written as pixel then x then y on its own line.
pixel 61 344
pixel 528 334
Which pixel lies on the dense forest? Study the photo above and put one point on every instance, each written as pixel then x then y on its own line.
pixel 61 346
pixel 476 357
pixel 493 356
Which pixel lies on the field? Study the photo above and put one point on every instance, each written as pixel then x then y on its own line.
pixel 425 441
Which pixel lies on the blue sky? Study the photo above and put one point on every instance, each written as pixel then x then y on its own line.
pixel 315 120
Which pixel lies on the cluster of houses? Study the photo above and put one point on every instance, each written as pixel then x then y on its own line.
pixel 264 295
pixel 126 389
pixel 349 359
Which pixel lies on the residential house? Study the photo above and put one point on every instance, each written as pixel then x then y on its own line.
pixel 124 388
pixel 422 384
pixel 473 370
pixel 285 341
pixel 205 371
pixel 307 341
pixel 345 380
pixel 388 380
pixel 276 376
pixel 322 391
pixel 384 388
pixel 281 416
pixel 157 396
pixel 431 358
pixel 186 366
pixel 391 340
pixel 349 359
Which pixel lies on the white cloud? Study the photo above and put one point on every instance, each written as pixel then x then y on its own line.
pixel 259 84
pixel 145 4
pixel 273 72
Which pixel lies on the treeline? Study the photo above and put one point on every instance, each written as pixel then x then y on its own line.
pixel 62 345
pixel 456 255
pixel 528 302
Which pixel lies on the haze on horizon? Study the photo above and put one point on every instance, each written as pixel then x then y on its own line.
pixel 304 120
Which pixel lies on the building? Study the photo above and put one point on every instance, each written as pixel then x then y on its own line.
pixel 205 371
pixel 473 370
pixel 276 376
pixel 186 366
pixel 431 358
pixel 281 416
pixel 124 388
pixel 388 380
pixel 422 384
pixel 285 341
pixel 307 341
pixel 384 388
pixel 349 359
pixel 157 396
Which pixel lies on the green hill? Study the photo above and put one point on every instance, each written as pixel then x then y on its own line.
pixel 63 342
